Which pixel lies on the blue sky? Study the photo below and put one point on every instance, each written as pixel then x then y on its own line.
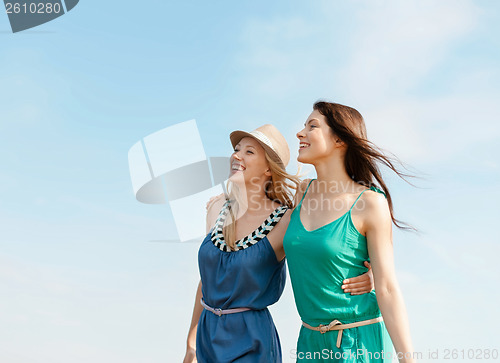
pixel 79 279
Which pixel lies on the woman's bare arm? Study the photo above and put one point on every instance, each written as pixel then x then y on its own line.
pixel 389 297
pixel 190 356
pixel 213 208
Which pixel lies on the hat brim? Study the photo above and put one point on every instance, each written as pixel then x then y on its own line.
pixel 237 135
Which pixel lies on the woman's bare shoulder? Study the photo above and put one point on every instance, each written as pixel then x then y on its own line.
pixel 375 207
pixel 214 206
pixel 375 200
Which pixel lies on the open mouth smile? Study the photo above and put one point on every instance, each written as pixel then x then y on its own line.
pixel 303 145
pixel 237 167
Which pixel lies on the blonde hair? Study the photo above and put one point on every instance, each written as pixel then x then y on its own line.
pixel 280 188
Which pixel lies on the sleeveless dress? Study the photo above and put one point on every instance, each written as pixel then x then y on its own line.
pixel 318 262
pixel 250 277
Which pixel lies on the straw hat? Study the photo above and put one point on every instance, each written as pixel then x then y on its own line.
pixel 271 140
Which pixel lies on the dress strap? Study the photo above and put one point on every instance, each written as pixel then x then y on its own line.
pixel 371 188
pixel 308 185
pixel 374 188
pixel 217 235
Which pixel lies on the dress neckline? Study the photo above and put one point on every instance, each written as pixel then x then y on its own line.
pixel 323 226
pixel 252 238
pixel 299 209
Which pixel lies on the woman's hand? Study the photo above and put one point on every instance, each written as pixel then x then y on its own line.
pixel 361 284
pixel 213 199
pixel 190 356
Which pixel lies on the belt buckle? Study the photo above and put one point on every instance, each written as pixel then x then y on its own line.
pixel 323 328
pixel 218 311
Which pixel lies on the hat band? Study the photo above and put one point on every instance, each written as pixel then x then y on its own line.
pixel 262 137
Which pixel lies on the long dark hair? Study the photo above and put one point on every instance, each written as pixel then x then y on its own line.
pixel 362 156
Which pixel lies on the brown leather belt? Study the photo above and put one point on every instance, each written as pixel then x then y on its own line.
pixel 219 312
pixel 337 325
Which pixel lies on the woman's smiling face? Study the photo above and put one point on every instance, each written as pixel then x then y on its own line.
pixel 248 161
pixel 316 139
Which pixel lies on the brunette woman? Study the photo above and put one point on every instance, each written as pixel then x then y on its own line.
pixel 343 218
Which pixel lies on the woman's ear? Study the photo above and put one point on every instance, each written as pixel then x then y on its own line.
pixel 339 142
pixel 336 139
pixel 268 172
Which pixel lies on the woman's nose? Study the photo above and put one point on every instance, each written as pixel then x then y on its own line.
pixel 300 134
pixel 236 156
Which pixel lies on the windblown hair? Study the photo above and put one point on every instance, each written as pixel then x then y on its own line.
pixel 362 156
pixel 280 188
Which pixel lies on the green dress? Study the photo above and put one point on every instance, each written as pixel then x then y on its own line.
pixel 318 262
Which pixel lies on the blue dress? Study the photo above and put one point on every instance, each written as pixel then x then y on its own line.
pixel 249 277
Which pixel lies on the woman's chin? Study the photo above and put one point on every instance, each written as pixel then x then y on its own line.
pixel 237 177
pixel 304 160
